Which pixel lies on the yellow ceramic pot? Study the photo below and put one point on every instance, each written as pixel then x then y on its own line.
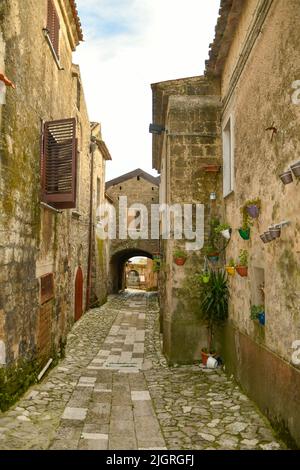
pixel 230 270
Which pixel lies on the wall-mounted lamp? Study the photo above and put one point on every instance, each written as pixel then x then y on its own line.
pixel 213 196
pixel 156 129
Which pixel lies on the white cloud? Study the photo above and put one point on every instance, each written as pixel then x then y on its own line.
pixel 130 44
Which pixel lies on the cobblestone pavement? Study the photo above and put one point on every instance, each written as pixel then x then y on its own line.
pixel 114 390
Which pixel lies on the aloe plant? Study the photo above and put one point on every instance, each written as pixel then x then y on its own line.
pixel 214 303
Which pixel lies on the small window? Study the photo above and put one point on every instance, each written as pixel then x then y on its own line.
pixel 59 164
pixel 120 188
pixel 228 158
pixel 138 178
pixel 134 215
pixel 137 218
pixel 53 26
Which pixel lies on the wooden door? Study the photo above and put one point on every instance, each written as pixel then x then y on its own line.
pixel 78 294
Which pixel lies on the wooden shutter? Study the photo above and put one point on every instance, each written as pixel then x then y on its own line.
pixel 59 164
pixel 53 26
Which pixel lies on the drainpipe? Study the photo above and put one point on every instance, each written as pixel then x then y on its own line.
pixel 89 267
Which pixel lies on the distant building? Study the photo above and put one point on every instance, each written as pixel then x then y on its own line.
pixel 140 274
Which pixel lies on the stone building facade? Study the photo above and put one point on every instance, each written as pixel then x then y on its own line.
pixel 51 158
pixel 254 65
pixel 138 187
pixel 189 111
pixel 259 95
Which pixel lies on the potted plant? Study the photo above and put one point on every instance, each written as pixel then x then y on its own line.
pixel 212 254
pixel 156 264
pixel 213 308
pixel 286 177
pixel 205 277
pixel 225 230
pixel 244 231
pixel 242 268
pixel 179 257
pixel 258 313
pixel 212 168
pixel 252 208
pixel 230 268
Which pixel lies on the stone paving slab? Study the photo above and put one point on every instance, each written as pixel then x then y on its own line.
pixel 114 390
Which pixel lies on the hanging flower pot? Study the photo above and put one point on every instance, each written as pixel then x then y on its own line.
pixel 264 238
pixel 226 233
pixel 275 231
pixel 230 270
pixel 179 257
pixel 212 168
pixel 213 257
pixel 242 270
pixel 296 169
pixel 205 278
pixel 262 318
pixel 286 177
pixel 245 233
pixel 180 261
pixel 253 211
pixel 269 236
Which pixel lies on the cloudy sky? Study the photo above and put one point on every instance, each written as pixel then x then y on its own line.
pixel 130 44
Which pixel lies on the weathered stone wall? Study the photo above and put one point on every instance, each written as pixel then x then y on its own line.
pixel 262 98
pixel 36 241
pixel 101 257
pixel 191 142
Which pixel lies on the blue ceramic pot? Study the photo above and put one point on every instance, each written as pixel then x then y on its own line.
pixel 262 318
pixel 213 259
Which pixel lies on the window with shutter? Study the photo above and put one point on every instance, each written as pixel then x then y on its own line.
pixel 59 163
pixel 53 27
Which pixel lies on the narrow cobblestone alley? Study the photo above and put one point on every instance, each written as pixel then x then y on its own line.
pixel 114 390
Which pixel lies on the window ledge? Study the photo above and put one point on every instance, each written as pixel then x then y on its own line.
pixel 57 61
pixel 50 208
pixel 226 196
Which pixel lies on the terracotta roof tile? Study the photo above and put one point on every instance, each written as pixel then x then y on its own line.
pixel 77 19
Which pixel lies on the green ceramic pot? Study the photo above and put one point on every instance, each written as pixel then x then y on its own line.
pixel 205 278
pixel 245 234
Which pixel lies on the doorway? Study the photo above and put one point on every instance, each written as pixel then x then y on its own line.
pixel 78 294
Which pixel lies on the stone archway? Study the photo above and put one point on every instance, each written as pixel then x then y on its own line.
pixel 118 260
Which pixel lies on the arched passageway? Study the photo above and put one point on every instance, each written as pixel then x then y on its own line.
pixel 117 267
